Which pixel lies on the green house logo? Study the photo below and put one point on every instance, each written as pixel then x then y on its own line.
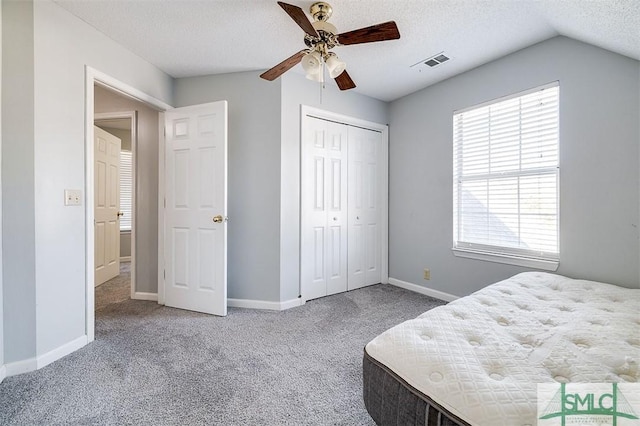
pixel 587 403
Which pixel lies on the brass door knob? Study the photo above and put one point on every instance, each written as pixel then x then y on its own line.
pixel 218 219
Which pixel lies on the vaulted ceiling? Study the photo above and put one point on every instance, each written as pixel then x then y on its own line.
pixel 188 38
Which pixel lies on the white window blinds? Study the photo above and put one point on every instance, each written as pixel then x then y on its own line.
pixel 506 176
pixel 126 188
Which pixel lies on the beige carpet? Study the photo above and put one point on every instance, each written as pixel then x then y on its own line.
pixel 115 290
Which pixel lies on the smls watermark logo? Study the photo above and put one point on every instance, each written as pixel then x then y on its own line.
pixel 561 404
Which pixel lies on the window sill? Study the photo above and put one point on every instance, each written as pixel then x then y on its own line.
pixel 527 262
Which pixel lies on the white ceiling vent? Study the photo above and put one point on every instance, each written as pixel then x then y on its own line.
pixel 433 61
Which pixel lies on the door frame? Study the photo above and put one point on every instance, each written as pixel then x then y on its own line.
pixel 133 119
pixel 93 77
pixel 307 112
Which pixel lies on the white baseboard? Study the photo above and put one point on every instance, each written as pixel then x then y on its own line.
pixel 33 364
pixel 263 304
pixel 64 350
pixel 138 295
pixel 125 259
pixel 3 373
pixel 423 290
pixel 20 367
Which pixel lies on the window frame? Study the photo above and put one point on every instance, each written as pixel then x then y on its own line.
pixel 504 254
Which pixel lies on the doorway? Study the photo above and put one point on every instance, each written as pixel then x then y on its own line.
pixel 147 263
pixel 121 286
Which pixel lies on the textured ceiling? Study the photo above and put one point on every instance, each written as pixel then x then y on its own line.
pixel 198 37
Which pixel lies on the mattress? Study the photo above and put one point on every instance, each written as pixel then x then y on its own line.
pixel 477 361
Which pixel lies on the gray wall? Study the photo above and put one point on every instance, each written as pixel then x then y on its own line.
pixel 264 171
pixel 599 162
pixel 63 45
pixel 254 177
pixel 125 246
pixel 18 224
pixel 44 154
pixel 146 197
pixel 297 91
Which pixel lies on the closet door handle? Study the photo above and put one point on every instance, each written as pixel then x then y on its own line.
pixel 335 218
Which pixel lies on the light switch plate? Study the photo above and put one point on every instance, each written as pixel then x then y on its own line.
pixel 72 197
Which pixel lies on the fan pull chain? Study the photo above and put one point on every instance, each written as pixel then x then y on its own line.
pixel 322 86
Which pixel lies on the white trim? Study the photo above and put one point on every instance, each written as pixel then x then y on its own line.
pixel 93 77
pixel 263 304
pixel 340 118
pixel 89 248
pixel 139 295
pixel 161 198
pixel 126 259
pixel 33 364
pixel 511 96
pixel 527 262
pixel 383 191
pixel 124 89
pixel 62 351
pixel 384 199
pixel 21 367
pixel 423 290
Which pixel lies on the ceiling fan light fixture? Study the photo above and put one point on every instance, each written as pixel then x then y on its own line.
pixel 312 62
pixel 335 65
pixel 317 76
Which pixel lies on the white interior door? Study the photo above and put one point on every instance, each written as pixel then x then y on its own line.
pixel 195 227
pixel 107 205
pixel 324 209
pixel 364 208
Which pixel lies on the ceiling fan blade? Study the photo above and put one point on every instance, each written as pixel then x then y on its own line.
pixel 283 66
pixel 380 32
pixel 344 81
pixel 298 15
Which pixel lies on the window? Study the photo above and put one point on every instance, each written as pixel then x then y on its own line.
pixel 126 188
pixel 505 192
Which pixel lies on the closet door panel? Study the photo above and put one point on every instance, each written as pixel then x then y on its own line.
pixel 313 236
pixel 364 209
pixel 357 240
pixel 336 185
pixel 323 202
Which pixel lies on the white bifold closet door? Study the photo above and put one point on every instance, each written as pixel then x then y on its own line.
pixel 340 232
pixel 324 205
pixel 364 208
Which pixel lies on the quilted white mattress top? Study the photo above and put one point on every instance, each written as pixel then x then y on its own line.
pixel 481 356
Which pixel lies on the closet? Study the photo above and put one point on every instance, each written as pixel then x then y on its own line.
pixel 343 198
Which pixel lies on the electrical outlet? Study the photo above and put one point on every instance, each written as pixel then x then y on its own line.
pixel 427 274
pixel 72 197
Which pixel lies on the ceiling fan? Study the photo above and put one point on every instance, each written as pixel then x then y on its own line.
pixel 320 37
